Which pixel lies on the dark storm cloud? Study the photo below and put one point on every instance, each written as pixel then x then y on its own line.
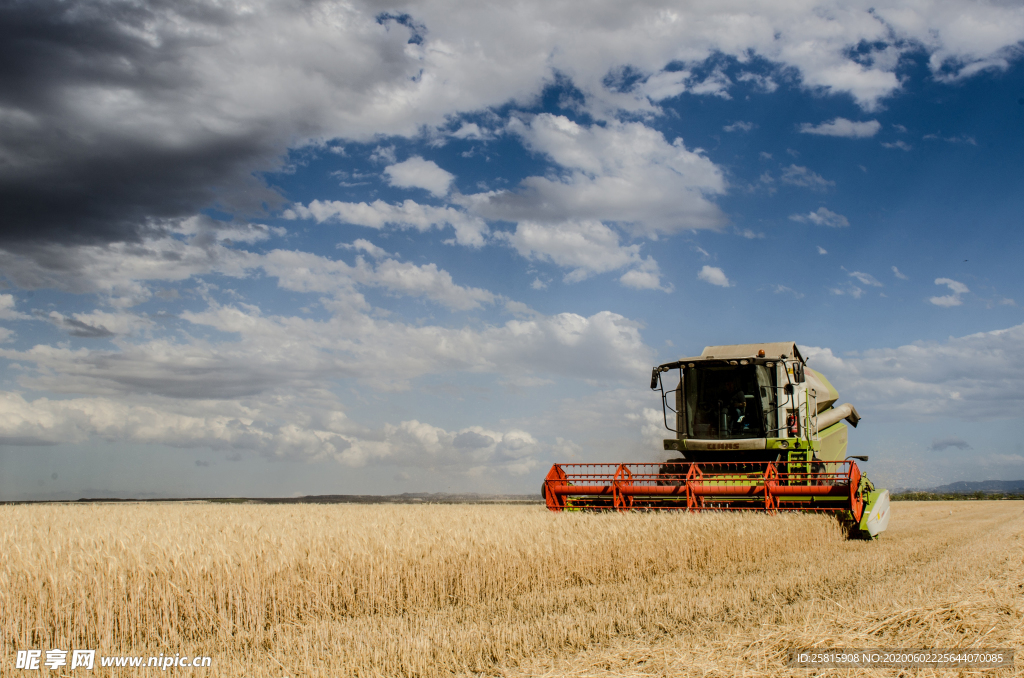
pixel 113 373
pixel 119 117
pixel 77 328
pixel 957 442
pixel 66 176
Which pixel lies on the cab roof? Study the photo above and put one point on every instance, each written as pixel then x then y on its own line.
pixel 777 349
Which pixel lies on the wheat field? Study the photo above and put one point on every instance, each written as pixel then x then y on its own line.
pixel 311 590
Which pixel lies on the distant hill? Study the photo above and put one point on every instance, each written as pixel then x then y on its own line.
pixel 987 486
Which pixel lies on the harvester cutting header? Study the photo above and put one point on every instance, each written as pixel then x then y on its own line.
pixel 754 429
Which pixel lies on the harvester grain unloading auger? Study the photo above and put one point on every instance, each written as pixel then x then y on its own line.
pixel 756 430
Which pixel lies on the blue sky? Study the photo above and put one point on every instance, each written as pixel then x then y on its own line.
pixel 437 248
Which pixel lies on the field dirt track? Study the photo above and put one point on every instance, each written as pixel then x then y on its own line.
pixel 501 590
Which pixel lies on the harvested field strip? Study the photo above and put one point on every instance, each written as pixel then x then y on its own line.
pixel 436 590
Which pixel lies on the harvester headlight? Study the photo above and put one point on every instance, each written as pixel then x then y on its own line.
pixel 784 444
pixel 743 362
pixel 690 365
pixel 732 362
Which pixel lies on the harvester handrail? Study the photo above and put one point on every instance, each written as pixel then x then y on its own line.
pixel 665 407
pixel 812 421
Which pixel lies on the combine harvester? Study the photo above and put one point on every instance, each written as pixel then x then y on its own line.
pixel 756 430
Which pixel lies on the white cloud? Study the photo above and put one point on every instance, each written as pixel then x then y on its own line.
pixel 781 289
pixel 899 143
pixel 426 445
pixel 122 272
pixel 714 275
pixel 605 423
pixel 958 289
pixel 841 127
pixel 822 250
pixel 419 173
pixel 304 272
pixel 822 217
pixel 896 272
pixel 469 230
pixel 797 175
pixel 716 83
pixel 761 82
pixel 586 247
pixel 766 181
pixel 646 276
pixel 214 424
pixel 974 377
pixel 318 433
pixel 271 354
pixel 514 50
pixel 425 280
pixel 119 271
pixel 666 84
pixel 621 172
pixel 866 278
pixel 851 290
pixel 384 154
pixel 471 130
pixel 7 312
pixel 740 126
pixel 208 231
pixel 366 246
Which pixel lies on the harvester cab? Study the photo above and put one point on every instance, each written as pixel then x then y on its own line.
pixel 752 402
pixel 753 428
